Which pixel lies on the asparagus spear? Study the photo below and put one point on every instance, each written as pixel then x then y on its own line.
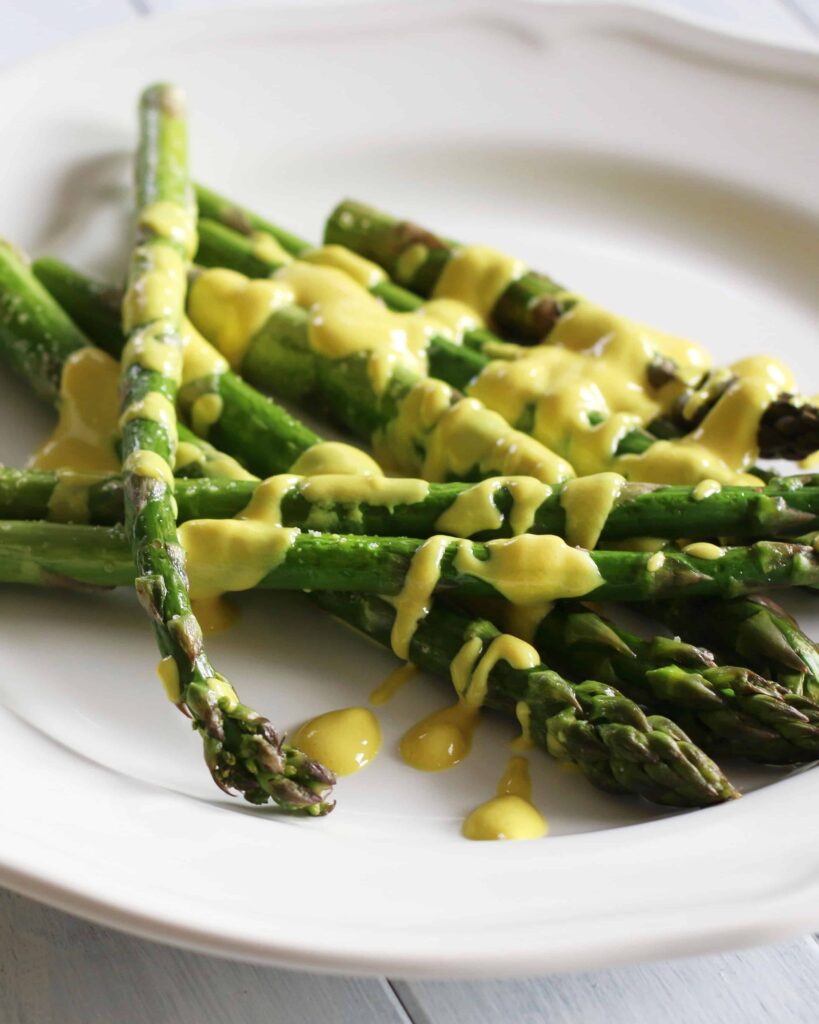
pixel 754 630
pixel 35 494
pixel 789 428
pixel 217 208
pixel 458 365
pixel 529 308
pixel 727 708
pixel 783 507
pixel 222 246
pixel 281 360
pixel 37 337
pixel 242 750
pixel 616 745
pixel 217 211
pixel 252 428
pixel 32 552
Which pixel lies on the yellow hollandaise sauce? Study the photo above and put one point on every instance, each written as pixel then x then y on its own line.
pixel 477 276
pixel 226 555
pixel 344 318
pixel 215 614
pixel 702 549
pixel 442 739
pixel 587 502
pixel 510 814
pixel 531 568
pixel 436 433
pixel 395 681
pixel 337 458
pixel 457 434
pixel 236 554
pixel 523 742
pixel 345 741
pixel 211 462
pixel 590 386
pixel 580 395
pixel 69 498
pixel 169 677
pixel 475 509
pixel 85 436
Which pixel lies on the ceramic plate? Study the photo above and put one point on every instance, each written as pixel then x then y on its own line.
pixel 667 171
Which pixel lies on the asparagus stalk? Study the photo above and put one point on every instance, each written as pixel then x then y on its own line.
pixel 529 308
pixel 258 432
pixel 783 507
pixel 457 365
pixel 789 428
pixel 196 457
pixel 220 245
pixel 217 208
pixel 616 745
pixel 242 750
pixel 726 708
pixel 36 335
pixel 754 630
pixel 35 494
pixel 33 552
pixel 254 429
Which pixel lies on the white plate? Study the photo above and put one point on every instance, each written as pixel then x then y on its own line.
pixel 666 170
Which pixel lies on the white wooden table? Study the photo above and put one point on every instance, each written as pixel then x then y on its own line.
pixel 55 968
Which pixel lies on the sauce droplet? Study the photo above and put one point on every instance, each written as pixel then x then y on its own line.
pixel 345 740
pixel 511 814
pixel 441 740
pixel 215 614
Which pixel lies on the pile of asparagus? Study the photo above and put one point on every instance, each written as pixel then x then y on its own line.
pixel 641 716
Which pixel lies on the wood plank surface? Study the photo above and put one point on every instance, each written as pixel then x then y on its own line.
pixel 56 969
pixel 773 985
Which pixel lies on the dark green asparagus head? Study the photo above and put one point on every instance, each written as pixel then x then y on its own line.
pixel 246 755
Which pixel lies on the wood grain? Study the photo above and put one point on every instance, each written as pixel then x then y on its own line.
pixel 761 986
pixel 56 969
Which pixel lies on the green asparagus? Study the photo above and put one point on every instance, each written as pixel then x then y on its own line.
pixel 754 631
pixel 256 431
pixel 456 364
pixel 242 749
pixel 31 552
pixel 789 427
pixel 785 506
pixel 529 308
pixel 727 708
pixel 280 359
pixel 616 745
